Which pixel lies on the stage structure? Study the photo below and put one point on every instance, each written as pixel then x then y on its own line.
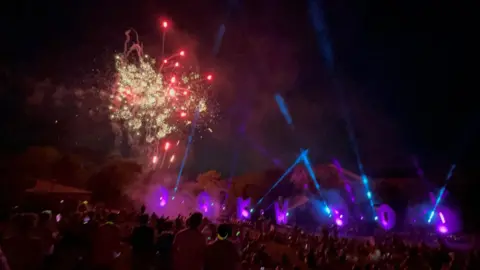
pixel 243 208
pixel 206 205
pixel 387 217
pixel 281 211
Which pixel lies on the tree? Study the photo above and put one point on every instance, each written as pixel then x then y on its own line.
pixel 20 172
pixel 69 170
pixel 210 181
pixel 109 183
pixel 300 176
pixel 255 185
pixel 37 162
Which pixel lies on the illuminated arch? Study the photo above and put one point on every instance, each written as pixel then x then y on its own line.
pixel 386 216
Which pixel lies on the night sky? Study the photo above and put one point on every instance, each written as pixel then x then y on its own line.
pixel 400 66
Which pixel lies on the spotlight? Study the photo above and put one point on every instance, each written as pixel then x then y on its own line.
pixel 442 229
pixel 339 222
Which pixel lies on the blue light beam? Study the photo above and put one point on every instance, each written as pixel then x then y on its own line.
pixel 326 49
pixel 440 194
pixel 190 139
pixel 369 195
pixel 306 161
pixel 299 158
pixel 218 39
pixel 283 108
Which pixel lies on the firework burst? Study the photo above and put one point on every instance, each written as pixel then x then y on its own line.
pixel 151 101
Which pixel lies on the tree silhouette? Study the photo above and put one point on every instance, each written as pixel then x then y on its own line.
pixel 109 183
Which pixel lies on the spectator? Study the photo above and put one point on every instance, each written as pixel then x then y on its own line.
pixel 3 261
pixel 164 245
pixel 106 248
pixel 22 250
pixel 473 261
pixel 189 246
pixel 142 245
pixel 222 253
pixel 44 233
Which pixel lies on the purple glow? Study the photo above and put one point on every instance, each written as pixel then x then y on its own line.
pixel 348 188
pixel 339 222
pixel 433 198
pixel 443 229
pixel 386 216
pixel 163 196
pixel 442 217
pixel 204 204
pixel 242 206
pixel 281 212
pixel 162 202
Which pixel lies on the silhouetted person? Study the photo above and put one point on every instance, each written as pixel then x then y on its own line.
pixel 179 223
pixel 3 261
pixel 88 234
pixel 142 245
pixel 473 261
pixel 106 248
pixel 22 250
pixel 222 253
pixel 189 246
pixel 414 261
pixel 440 257
pixel 311 259
pixel 164 246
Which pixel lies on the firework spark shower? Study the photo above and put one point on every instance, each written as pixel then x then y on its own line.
pixel 153 99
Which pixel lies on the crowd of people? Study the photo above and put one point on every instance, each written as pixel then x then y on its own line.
pixel 104 240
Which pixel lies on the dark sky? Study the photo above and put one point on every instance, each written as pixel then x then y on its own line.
pixel 400 65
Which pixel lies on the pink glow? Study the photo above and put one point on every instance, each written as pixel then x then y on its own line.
pixel 242 206
pixel 281 212
pixel 442 229
pixel 442 217
pixel 339 222
pixel 162 202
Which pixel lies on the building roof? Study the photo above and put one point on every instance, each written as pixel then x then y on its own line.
pixel 45 186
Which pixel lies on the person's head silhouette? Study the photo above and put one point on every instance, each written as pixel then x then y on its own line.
pixel 224 231
pixel 195 220
pixel 111 218
pixel 143 220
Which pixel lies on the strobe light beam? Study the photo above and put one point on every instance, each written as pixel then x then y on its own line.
pixel 301 158
pixel 440 194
